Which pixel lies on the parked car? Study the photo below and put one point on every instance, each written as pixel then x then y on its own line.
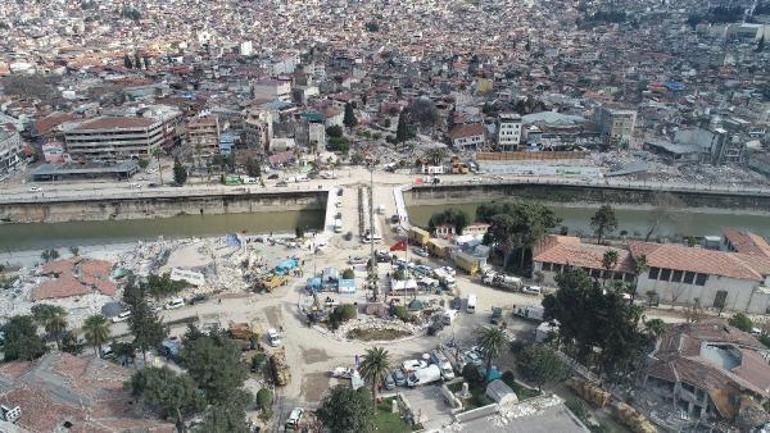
pixel 153 185
pixel 399 377
pixel 342 373
pixel 420 252
pixel 199 299
pixel 273 338
pixel 292 423
pixel 357 260
pixel 411 365
pixel 389 382
pixel 532 290
pixel 273 176
pixel 281 183
pixel 122 317
pixel 34 189
pixel 456 303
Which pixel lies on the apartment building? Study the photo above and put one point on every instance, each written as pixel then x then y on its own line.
pixel 257 128
pixel 10 148
pixel 508 132
pixel 272 89
pixel 468 137
pixel 203 135
pixel 111 138
pixel 616 126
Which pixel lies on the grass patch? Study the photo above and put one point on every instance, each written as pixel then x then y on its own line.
pixel 377 334
pixel 387 422
pixel 523 393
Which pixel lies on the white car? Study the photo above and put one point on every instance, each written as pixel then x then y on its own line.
pixel 34 189
pixel 174 304
pixel 292 423
pixel 413 364
pixel 122 317
pixel 532 290
pixel 357 260
pixel 273 338
pixel 420 252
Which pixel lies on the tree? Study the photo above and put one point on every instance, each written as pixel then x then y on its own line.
pixel 97 330
pixel 75 251
pixel 127 62
pixel 491 341
pixel 609 261
pixel 227 416
pixel 214 362
pixel 422 112
pixel 761 44
pixel 144 323
pixel 162 285
pixel 436 155
pixel 157 152
pixel 348 274
pixel 374 366
pixel 137 61
pixel 53 319
pixel 540 365
pixel 21 339
pixel 640 267
pixel 253 167
pixel 344 410
pixel 172 395
pixel 350 117
pixel 604 222
pixel 591 318
pixel 49 255
pixel 334 131
pixel 741 321
pixel 265 402
pixel 180 173
pixel 456 217
pixel 655 327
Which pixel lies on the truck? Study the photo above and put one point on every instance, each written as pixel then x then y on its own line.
pixel 424 376
pixel 279 368
pixel 530 312
pixel 497 316
pixel 271 282
pixel 338 225
pixel 508 282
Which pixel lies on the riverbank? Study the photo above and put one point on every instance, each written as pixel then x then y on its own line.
pixel 38 236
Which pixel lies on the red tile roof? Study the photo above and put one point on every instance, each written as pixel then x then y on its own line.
pixel 568 250
pixel 62 287
pixel 76 276
pixel 464 131
pixel 682 258
pixel 746 242
pixel 86 391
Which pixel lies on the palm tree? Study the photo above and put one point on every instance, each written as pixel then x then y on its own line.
pixel 640 267
pixel 491 342
pixel 55 327
pixel 97 331
pixel 374 366
pixel 157 154
pixel 609 260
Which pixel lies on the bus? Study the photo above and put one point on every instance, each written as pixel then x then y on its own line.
pixel 470 307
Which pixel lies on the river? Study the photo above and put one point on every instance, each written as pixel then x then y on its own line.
pixel 19 237
pixel 635 222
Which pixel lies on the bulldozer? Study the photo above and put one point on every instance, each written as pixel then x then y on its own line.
pixel 279 368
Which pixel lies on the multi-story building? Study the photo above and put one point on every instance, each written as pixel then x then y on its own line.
pixel 616 127
pixel 114 138
pixel 508 132
pixel 467 137
pixel 257 128
pixel 272 89
pixel 203 134
pixel 10 149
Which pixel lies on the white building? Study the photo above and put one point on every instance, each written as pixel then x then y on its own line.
pixel 468 137
pixel 272 89
pixel 10 149
pixel 508 132
pixel 246 48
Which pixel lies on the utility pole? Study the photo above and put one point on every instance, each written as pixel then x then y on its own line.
pixel 373 277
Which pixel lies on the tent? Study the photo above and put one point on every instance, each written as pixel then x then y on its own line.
pixel 346 286
pixel 286 266
pixel 112 309
pixel 314 284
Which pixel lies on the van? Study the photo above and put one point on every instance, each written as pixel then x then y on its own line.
pixel 470 307
pixel 292 423
pixel 338 225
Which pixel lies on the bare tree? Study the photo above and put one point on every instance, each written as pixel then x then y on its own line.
pixel 665 206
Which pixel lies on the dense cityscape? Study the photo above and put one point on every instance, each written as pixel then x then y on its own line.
pixel 384 216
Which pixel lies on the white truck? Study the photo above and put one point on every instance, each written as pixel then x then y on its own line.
pixel 439 359
pixel 424 376
pixel 338 225
pixel 444 277
pixel 530 312
pixel 470 307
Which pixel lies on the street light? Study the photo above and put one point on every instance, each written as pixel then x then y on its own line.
pixel 373 277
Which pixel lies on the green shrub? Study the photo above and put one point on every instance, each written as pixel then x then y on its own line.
pixel 264 399
pixel 348 274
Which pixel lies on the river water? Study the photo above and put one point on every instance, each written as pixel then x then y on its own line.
pixel 680 222
pixel 18 237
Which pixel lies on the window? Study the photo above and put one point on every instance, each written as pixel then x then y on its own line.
pixel 618 276
pixel 676 277
pixel 607 275
pixel 546 266
pixel 653 275
pixel 689 277
pixel 557 268
pixel 596 273
pixel 629 278
pixel 665 274
pixel 700 280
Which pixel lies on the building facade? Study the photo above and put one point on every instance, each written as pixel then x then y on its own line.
pixel 257 128
pixel 10 150
pixel 508 132
pixel 467 137
pixel 616 127
pixel 115 138
pixel 203 135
